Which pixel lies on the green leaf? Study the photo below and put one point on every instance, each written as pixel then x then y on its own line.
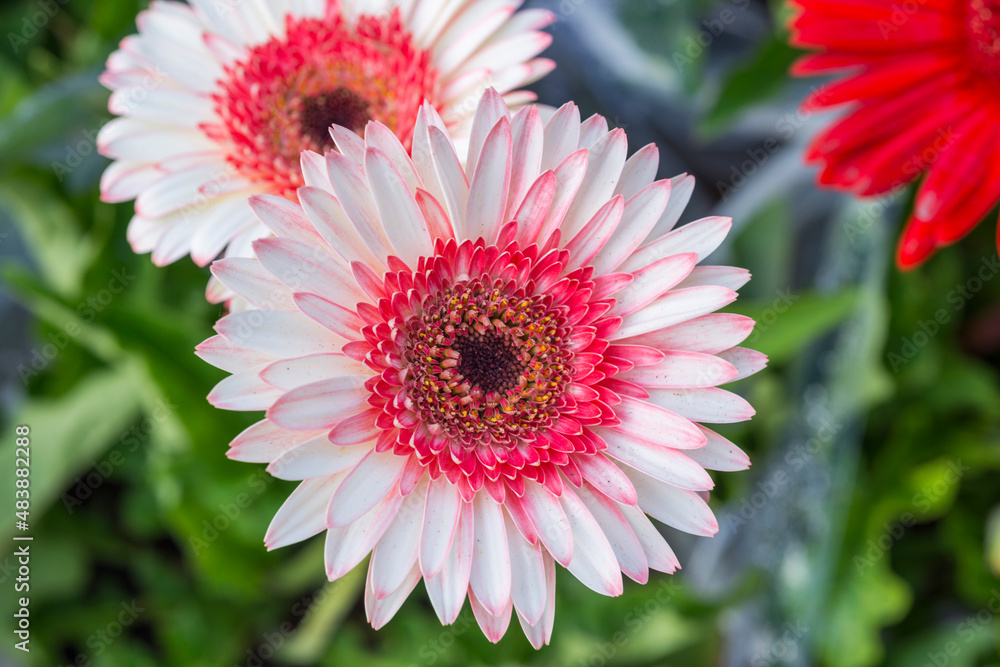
pixel 51 230
pixel 60 116
pixel 69 432
pixel 789 321
pixel 759 79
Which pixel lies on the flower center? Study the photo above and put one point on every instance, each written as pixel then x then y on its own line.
pixel 340 107
pixel 487 361
pixel 983 29
pixel 283 96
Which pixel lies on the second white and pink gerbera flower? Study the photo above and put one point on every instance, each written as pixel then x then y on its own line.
pixel 480 372
pixel 217 100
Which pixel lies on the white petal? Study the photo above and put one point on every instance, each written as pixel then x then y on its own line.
pixel 641 212
pixel 675 307
pixel 291 373
pixel 712 405
pixel 623 541
pixel 380 611
pixel 684 510
pixel 280 332
pixel 346 546
pixel 316 458
pixel 662 463
pixel 265 441
pixel 540 633
pixel 593 562
pixel 658 553
pixel 406 229
pixel 679 369
pixel 441 514
pixel 396 553
pixel 605 161
pixel 527 567
pixel 639 172
pixel 709 334
pixel 651 422
pixel 490 184
pixel 320 405
pixel 494 626
pixel 719 454
pixel 490 576
pixel 371 481
pixel 727 276
pixel 562 135
pixel 303 514
pixel 651 282
pixel 447 589
pixel 701 236
pixel 549 520
pixel 328 217
pixel 243 391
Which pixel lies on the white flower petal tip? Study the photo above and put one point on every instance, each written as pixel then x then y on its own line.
pixel 196 91
pixel 473 400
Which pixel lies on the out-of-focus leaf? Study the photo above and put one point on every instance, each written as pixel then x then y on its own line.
pixel 68 432
pixel 51 231
pixel 789 321
pixel 754 82
pixel 993 541
pixel 865 601
pixel 317 630
pixel 59 115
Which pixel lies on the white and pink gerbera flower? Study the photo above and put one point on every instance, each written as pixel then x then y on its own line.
pixel 480 372
pixel 218 99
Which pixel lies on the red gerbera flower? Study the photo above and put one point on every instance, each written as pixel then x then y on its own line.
pixel 922 76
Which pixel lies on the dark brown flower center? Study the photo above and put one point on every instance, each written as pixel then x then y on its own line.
pixel 488 361
pixel 341 107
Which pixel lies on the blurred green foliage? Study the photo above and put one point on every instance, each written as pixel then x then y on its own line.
pixel 148 541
